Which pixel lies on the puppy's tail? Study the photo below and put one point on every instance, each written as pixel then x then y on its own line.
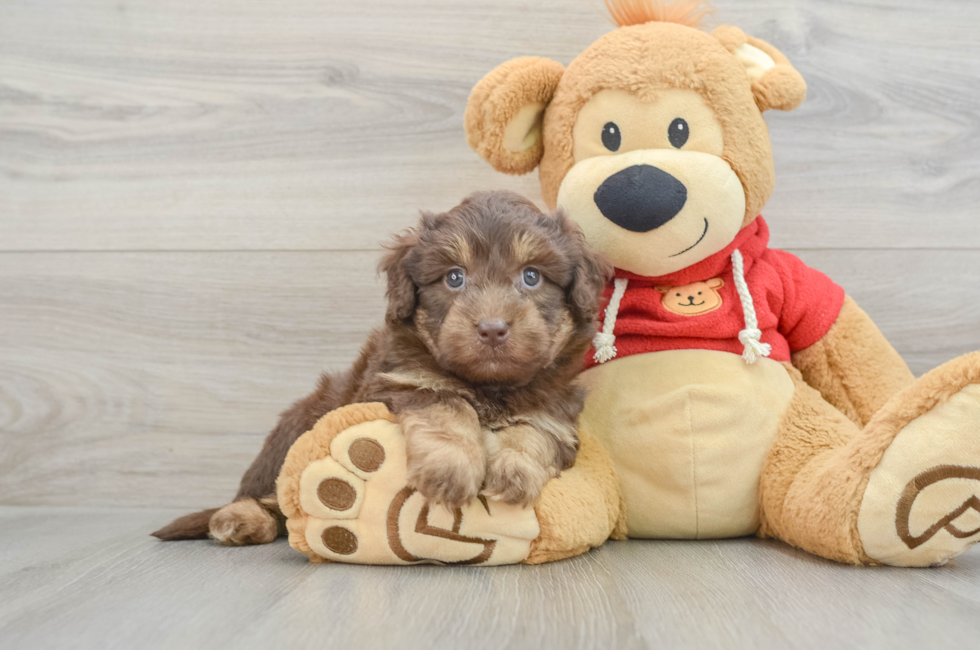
pixel 194 526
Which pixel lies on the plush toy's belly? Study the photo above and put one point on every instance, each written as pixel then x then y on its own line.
pixel 688 431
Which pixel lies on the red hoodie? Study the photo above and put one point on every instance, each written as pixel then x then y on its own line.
pixel 698 308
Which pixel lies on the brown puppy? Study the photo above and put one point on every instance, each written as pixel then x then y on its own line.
pixel 491 308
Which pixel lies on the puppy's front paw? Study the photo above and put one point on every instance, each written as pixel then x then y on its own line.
pixel 514 478
pixel 243 523
pixel 451 475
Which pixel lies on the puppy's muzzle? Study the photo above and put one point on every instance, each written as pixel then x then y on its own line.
pixel 641 198
pixel 493 332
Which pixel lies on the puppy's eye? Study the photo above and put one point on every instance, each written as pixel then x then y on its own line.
pixel 611 137
pixel 678 132
pixel 531 277
pixel 455 278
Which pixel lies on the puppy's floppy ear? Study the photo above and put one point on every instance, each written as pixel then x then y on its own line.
pixel 505 113
pixel 401 292
pixel 775 82
pixel 590 271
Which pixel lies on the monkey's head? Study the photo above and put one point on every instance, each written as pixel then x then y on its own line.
pixel 652 139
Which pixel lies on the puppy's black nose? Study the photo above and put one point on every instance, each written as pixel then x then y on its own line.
pixel 641 198
pixel 493 332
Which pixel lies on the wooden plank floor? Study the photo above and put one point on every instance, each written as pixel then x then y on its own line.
pixel 90 578
pixel 192 195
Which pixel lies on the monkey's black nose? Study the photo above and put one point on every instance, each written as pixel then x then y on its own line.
pixel 641 198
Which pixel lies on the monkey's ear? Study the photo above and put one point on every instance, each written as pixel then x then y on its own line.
pixel 664 290
pixel 715 283
pixel 505 113
pixel 401 292
pixel 775 82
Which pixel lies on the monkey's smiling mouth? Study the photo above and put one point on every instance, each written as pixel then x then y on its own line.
pixel 691 304
pixel 695 243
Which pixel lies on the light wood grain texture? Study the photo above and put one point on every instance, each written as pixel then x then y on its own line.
pixel 120 370
pixel 93 579
pixel 323 124
pixel 150 379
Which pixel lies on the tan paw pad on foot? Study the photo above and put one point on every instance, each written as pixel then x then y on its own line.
pixel 922 503
pixel 345 495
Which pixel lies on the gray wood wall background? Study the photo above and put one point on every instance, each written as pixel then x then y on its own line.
pixel 192 197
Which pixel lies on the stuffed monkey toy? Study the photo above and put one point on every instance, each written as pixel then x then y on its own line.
pixel 733 391
pixel 737 391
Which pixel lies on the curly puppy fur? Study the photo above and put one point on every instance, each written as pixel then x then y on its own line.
pixel 491 308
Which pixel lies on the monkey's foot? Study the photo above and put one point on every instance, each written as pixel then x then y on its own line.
pixel 343 489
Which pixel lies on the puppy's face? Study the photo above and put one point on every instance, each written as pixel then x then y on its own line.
pixel 496 289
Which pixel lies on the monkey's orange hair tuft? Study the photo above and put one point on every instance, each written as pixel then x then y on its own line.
pixel 636 12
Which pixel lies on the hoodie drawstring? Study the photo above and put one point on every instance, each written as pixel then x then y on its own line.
pixel 750 337
pixel 605 340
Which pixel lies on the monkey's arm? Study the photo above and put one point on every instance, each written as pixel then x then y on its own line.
pixel 853 365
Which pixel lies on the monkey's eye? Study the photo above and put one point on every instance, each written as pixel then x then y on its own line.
pixel 678 132
pixel 699 293
pixel 611 137
pixel 455 278
pixel 678 295
pixel 531 277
